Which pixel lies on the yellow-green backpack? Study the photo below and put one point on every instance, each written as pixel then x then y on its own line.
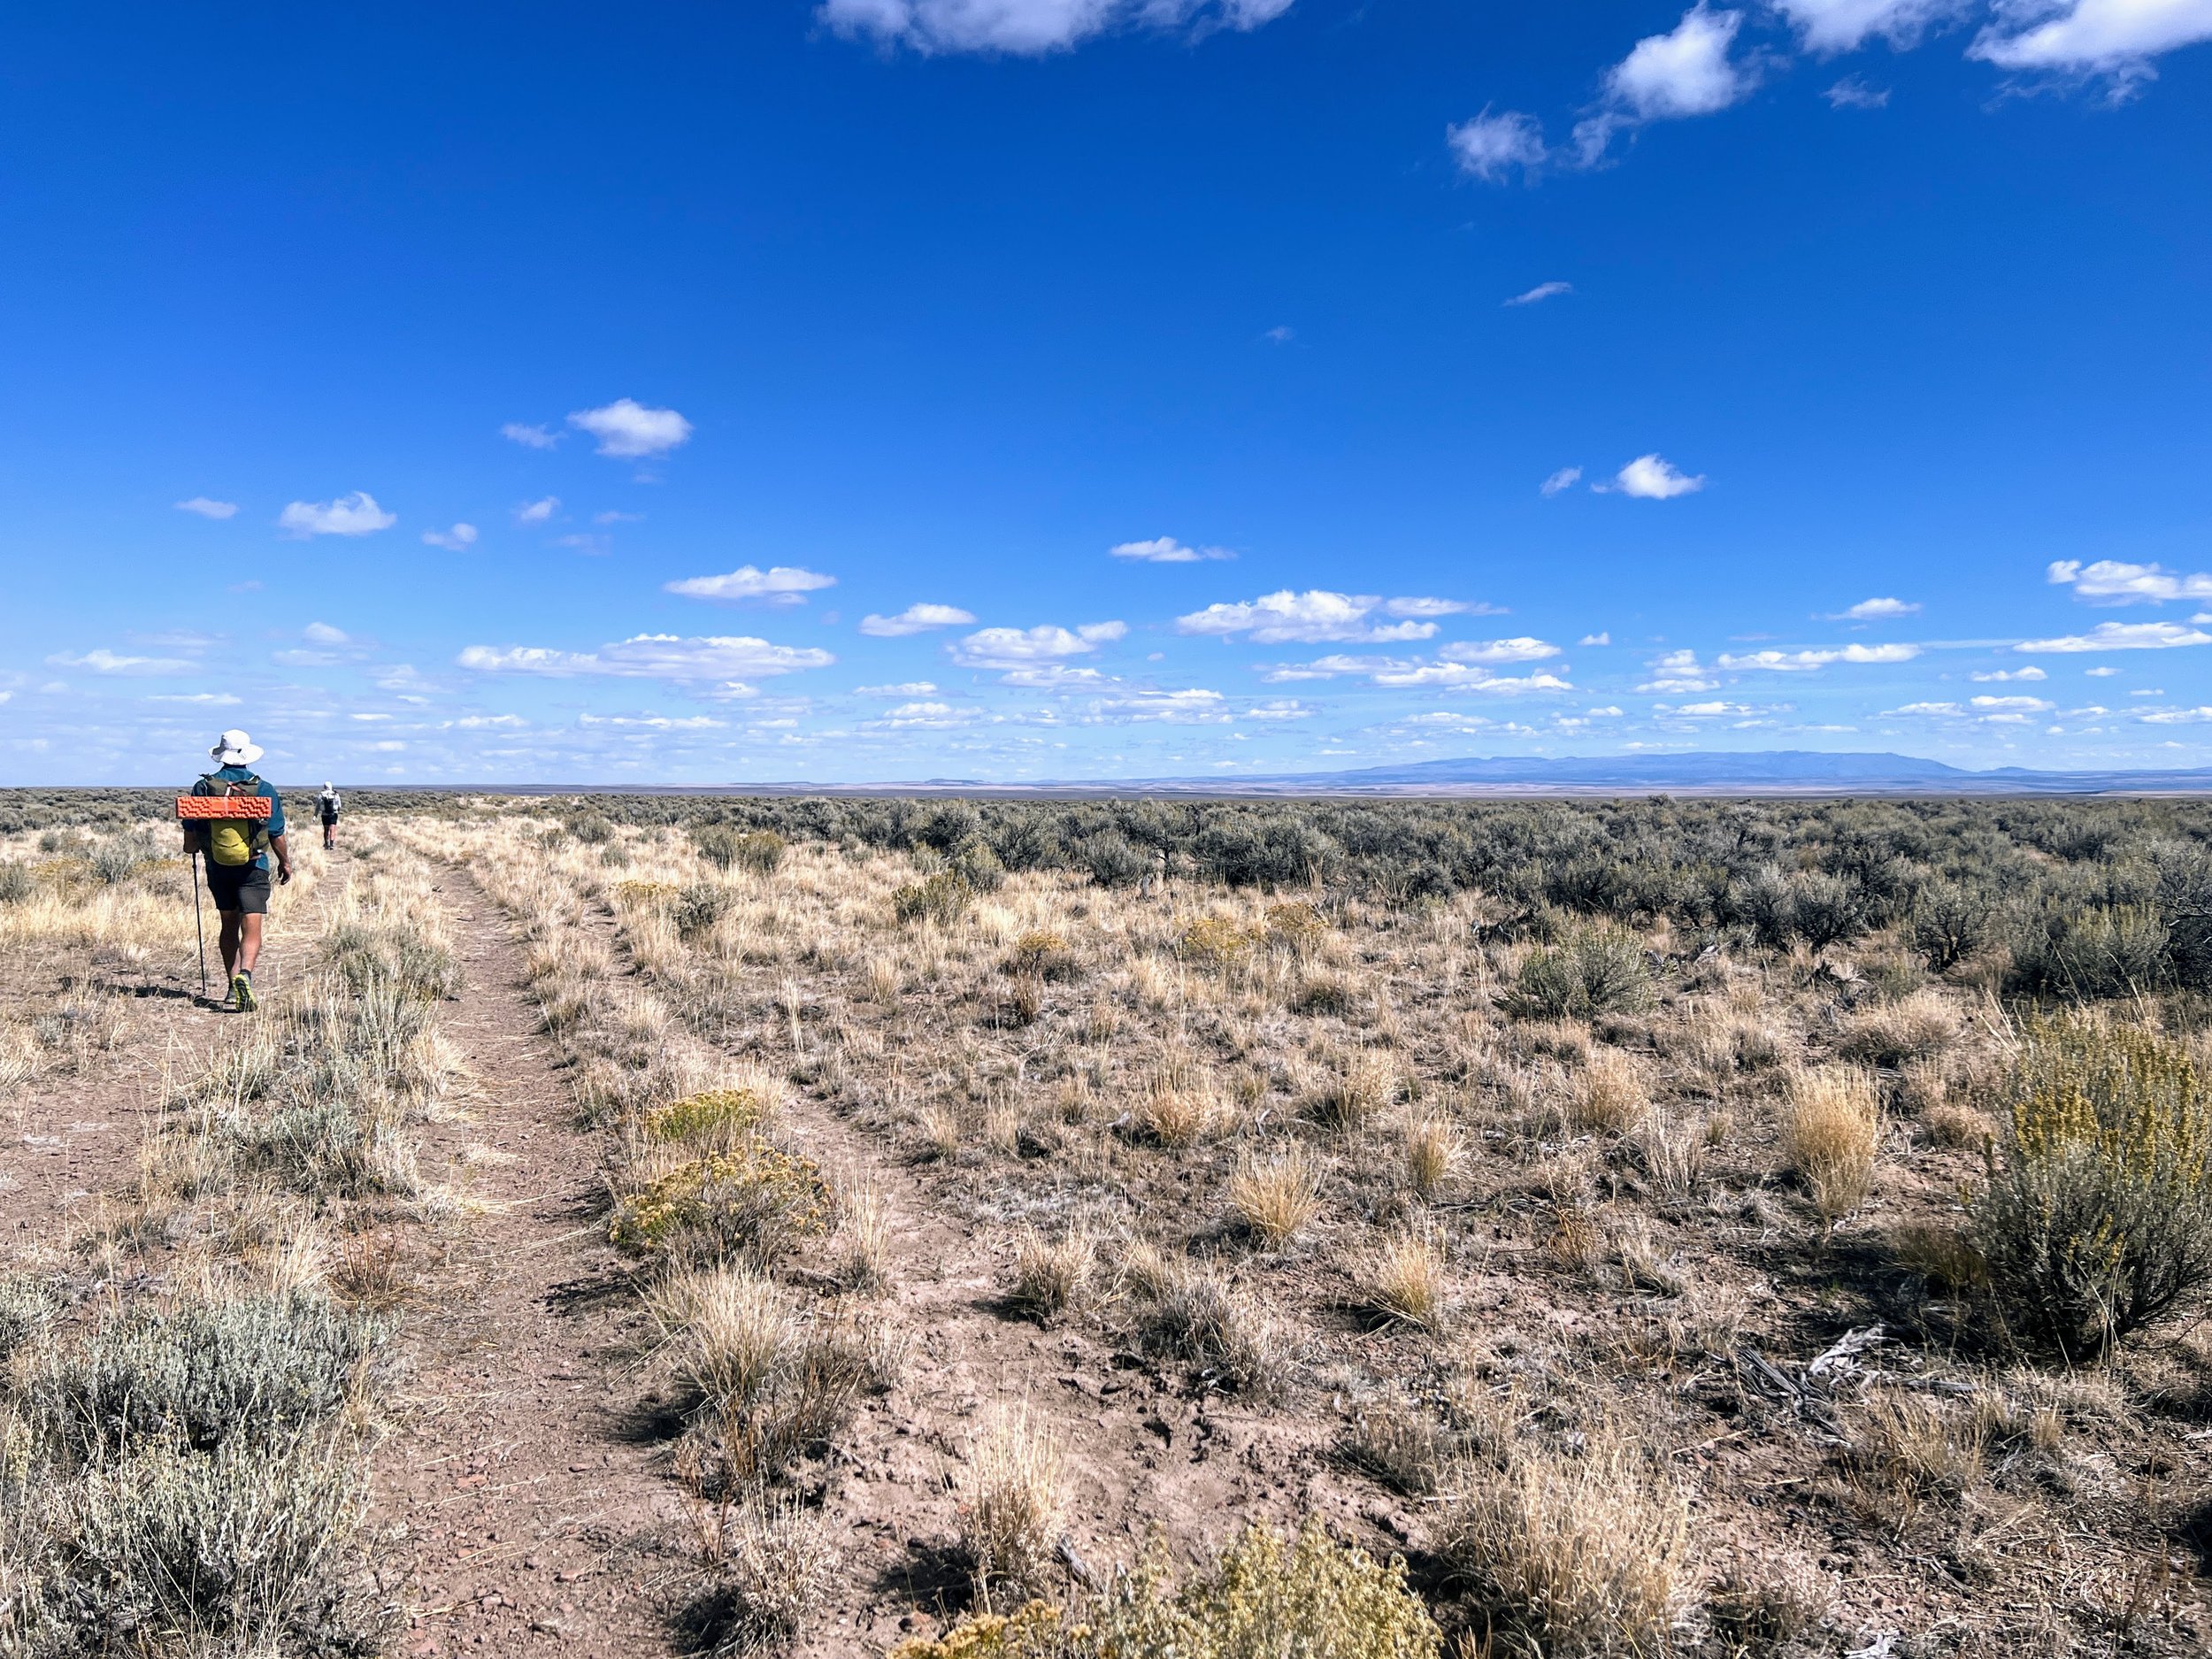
pixel 232 841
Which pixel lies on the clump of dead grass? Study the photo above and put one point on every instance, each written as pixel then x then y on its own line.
pixel 1011 1506
pixel 1832 1131
pixel 1276 1196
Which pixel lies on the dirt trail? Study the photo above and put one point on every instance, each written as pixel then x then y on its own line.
pixel 533 1517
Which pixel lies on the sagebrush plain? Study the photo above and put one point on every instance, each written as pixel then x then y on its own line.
pixel 730 1224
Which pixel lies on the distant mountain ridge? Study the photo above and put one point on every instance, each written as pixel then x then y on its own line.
pixel 1757 772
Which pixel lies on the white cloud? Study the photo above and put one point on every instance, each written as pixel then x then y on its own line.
pixel 538 511
pixel 1707 710
pixel 905 688
pixel 356 514
pixel 1843 25
pixel 652 657
pixel 1172 708
pixel 1489 147
pixel 457 540
pixel 612 517
pixel 1019 648
pixel 655 722
pixel 2011 706
pixel 204 699
pixel 2121 636
pixel 1029 28
pixel 2091 37
pixel 1466 676
pixel 1667 77
pixel 1801 662
pixel 323 633
pixel 928 716
pixel 1281 335
pixel 1852 93
pixel 1282 708
pixel 1541 292
pixel 627 430
pixel 1165 550
pixel 1595 638
pixel 1311 617
pixel 2114 582
pixel 2100 674
pixel 1876 610
pixel 531 437
pixel 2176 717
pixel 1566 478
pixel 1056 677
pixel 915 620
pixel 1678 673
pixel 778 585
pixel 2000 675
pixel 208 508
pixel 1651 478
pixel 101 660
pixel 1521 650
pixel 1927 708
pixel 1425 607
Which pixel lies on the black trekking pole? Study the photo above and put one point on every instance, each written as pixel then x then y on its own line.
pixel 199 928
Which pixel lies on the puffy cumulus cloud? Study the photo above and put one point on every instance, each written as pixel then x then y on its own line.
pixel 1803 662
pixel 2114 37
pixel 1565 479
pixel 653 657
pixel 904 688
pixel 1519 649
pixel 1652 478
pixel 655 722
pixel 1030 27
pixel 1843 25
pixel 323 633
pixel 538 511
pixel 922 717
pixel 1169 708
pixel 100 660
pixel 2002 675
pixel 1054 677
pixel 1022 647
pixel 356 514
pixel 531 437
pixel 1491 145
pixel 1678 673
pixel 1315 617
pixel 778 585
pixel 2115 583
pixel 457 540
pixel 1668 77
pixel 1165 550
pixel 629 431
pixel 2011 705
pixel 2120 636
pixel 1599 638
pixel 1880 609
pixel 209 509
pixel 2176 717
pixel 1950 709
pixel 1280 709
pixel 1466 676
pixel 1711 711
pixel 917 619
pixel 1541 292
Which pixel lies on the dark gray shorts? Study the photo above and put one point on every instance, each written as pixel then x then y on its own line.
pixel 240 888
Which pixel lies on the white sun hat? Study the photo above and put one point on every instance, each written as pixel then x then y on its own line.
pixel 235 748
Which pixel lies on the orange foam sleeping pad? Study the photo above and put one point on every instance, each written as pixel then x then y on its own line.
pixel 198 808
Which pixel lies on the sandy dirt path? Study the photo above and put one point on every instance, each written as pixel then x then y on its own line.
pixel 534 1519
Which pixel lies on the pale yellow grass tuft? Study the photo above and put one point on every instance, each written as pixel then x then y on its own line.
pixel 1279 1196
pixel 1829 1135
pixel 728 1324
pixel 1432 1151
pixel 1010 1505
pixel 1608 1096
pixel 1052 1274
pixel 1405 1281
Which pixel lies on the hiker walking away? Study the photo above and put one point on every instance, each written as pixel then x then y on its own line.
pixel 327 805
pixel 237 852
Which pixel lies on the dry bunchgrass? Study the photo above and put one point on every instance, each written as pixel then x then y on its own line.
pixel 1571 1552
pixel 1052 1275
pixel 1406 1282
pixel 1277 1195
pixel 1831 1133
pixel 1608 1096
pixel 1433 1151
pixel 1011 1506
pixel 1891 1033
pixel 1352 1090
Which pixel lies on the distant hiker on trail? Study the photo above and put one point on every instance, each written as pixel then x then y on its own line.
pixel 237 853
pixel 326 804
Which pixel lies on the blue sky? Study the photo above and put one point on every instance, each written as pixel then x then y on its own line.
pixel 1031 389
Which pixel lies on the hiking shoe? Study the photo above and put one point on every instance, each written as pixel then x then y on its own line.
pixel 241 994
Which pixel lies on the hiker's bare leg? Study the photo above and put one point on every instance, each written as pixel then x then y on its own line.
pixel 249 946
pixel 232 928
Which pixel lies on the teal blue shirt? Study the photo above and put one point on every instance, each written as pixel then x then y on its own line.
pixel 238 774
